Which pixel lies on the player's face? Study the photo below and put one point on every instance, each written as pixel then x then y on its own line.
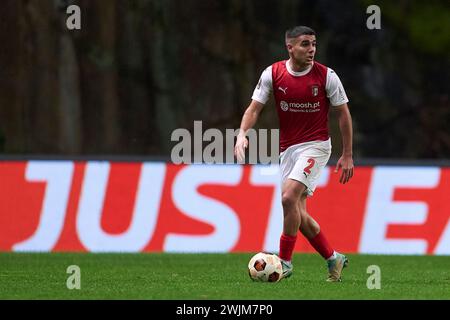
pixel 303 49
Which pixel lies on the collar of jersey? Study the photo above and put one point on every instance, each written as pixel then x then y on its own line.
pixel 297 74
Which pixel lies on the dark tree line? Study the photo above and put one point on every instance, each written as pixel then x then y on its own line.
pixel 138 69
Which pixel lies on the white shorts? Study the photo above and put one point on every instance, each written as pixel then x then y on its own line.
pixel 304 163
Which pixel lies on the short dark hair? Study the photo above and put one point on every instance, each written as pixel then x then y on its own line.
pixel 298 31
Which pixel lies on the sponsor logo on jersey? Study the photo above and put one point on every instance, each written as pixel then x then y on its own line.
pixel 283 89
pixel 300 107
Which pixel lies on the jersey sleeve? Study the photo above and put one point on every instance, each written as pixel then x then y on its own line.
pixel 335 89
pixel 264 87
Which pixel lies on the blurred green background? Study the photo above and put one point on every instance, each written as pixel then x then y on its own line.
pixel 138 69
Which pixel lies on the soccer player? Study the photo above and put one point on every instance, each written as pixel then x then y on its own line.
pixel 304 92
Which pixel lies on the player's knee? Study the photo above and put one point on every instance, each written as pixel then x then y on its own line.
pixel 288 200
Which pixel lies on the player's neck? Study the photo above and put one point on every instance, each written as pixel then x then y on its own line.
pixel 296 67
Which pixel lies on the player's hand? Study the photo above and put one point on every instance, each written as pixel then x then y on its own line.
pixel 346 163
pixel 239 148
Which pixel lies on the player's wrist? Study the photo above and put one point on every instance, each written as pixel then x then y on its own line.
pixel 241 134
pixel 347 155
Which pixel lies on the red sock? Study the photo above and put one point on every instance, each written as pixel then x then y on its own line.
pixel 320 243
pixel 287 244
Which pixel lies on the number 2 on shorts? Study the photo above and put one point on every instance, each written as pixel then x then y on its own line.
pixel 311 164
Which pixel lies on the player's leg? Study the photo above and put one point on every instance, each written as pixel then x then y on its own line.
pixel 311 230
pixel 291 192
pixel 309 227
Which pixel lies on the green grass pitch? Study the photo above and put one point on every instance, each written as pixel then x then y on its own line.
pixel 164 276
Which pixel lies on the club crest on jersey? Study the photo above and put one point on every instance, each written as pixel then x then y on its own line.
pixel 315 91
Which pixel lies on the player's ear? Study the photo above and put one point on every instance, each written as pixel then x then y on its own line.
pixel 289 46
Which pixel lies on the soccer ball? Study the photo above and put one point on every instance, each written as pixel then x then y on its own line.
pixel 265 267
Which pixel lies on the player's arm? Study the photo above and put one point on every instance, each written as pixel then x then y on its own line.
pixel 346 160
pixel 260 96
pixel 248 121
pixel 338 99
